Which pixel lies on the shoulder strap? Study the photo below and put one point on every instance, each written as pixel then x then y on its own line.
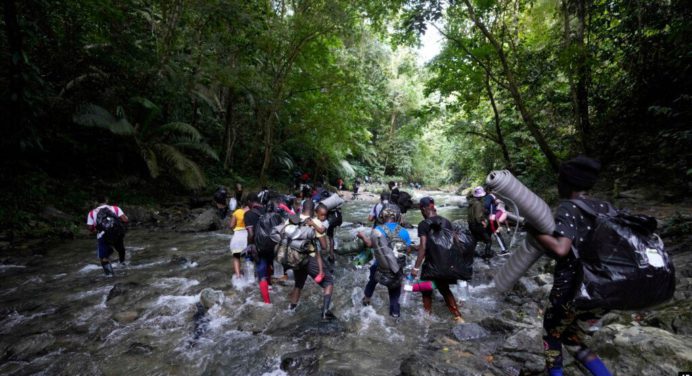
pixel 581 204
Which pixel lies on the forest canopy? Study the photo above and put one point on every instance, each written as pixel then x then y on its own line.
pixel 188 94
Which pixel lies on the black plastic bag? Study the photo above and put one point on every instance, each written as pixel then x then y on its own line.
pixel 624 264
pixel 451 256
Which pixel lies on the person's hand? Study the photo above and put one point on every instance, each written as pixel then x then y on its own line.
pixel 414 272
pixel 331 259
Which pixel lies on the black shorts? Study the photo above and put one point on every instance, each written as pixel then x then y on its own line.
pixel 311 269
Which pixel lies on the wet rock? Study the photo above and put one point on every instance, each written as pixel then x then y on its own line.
pixel 304 362
pixel 544 279
pixel 528 340
pixel 121 289
pixel 208 220
pixel 72 364
pixel 501 325
pixel 179 260
pixel 54 214
pixel 140 215
pixel 126 317
pixel 468 331
pixel 139 348
pixel 642 350
pixel 27 348
pixel 675 318
pixel 423 364
pixel 209 297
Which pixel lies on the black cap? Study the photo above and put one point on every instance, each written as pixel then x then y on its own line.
pixel 426 202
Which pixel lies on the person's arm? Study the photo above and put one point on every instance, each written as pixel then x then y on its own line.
pixel 233 222
pixel 366 240
pixel 124 218
pixel 558 245
pixel 421 256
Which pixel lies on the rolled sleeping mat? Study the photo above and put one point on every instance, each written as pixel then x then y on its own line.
pixel 350 247
pixel 511 217
pixel 536 212
pixel 332 202
pixel 521 260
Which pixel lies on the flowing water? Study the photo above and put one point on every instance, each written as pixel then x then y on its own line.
pixel 60 315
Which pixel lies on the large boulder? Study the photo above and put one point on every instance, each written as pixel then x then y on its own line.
pixel 210 297
pixel 140 214
pixel 642 350
pixel 208 220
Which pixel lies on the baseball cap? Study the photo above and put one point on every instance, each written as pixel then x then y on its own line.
pixel 426 202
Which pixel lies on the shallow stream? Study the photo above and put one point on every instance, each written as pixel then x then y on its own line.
pixel 60 315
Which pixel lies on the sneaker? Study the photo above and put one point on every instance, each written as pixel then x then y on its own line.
pixel 365 301
pixel 292 306
pixel 503 253
pixel 328 315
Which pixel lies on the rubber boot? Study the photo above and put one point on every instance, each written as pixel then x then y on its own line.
pixel 107 268
pixel 427 303
pixel 264 290
pixel 452 306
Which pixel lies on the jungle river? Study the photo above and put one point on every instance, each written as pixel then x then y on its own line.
pixel 172 310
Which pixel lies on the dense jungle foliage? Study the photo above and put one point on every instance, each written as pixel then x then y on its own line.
pixel 141 98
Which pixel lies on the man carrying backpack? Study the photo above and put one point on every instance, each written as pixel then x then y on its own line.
pixel 374 215
pixel 562 322
pixel 478 222
pixel 431 224
pixel 314 267
pixel 108 223
pixel 391 243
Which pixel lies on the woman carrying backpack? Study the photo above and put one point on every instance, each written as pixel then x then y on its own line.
pixel 562 322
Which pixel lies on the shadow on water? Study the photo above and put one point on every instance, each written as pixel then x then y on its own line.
pixel 60 315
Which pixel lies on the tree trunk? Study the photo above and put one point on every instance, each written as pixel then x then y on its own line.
pixel 16 97
pixel 229 131
pixel 513 87
pixel 583 76
pixel 498 130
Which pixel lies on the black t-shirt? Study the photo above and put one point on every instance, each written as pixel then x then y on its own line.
pixel 252 216
pixel 572 223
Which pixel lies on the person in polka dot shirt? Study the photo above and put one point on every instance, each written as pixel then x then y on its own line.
pixel 562 323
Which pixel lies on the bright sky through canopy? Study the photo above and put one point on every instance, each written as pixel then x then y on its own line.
pixel 431 44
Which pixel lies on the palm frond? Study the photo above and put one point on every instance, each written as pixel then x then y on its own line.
pixel 284 160
pixel 180 129
pixel 346 168
pixel 92 115
pixel 198 146
pixel 152 162
pixel 185 171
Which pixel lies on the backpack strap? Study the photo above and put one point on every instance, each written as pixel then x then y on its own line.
pixel 581 204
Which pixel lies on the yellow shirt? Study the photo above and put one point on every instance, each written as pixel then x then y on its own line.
pixel 239 215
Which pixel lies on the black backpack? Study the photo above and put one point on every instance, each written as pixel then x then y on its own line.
pixel 112 227
pixel 335 218
pixel 450 258
pixel 624 264
pixel 405 202
pixel 221 196
pixel 263 229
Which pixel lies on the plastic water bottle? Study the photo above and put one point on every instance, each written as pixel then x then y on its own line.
pixel 249 270
pixel 407 289
pixel 463 290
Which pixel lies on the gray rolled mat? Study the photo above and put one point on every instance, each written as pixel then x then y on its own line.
pixel 535 211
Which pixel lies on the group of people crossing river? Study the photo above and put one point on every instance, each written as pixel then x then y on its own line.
pixel 297 231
